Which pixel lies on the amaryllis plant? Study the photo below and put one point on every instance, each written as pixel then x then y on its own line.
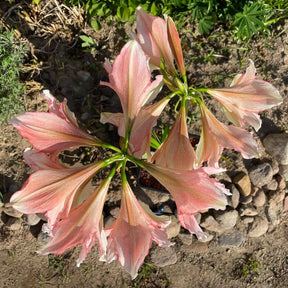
pixel 75 215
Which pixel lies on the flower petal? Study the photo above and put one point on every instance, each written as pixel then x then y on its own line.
pixel 193 191
pixel 82 226
pixel 153 38
pixel 131 235
pixel 215 136
pixel 246 98
pixel 184 156
pixel 130 78
pixel 54 191
pixel 53 131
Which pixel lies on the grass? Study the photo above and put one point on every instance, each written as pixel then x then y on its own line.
pixel 11 59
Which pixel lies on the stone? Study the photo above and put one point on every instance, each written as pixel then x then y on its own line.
pixel 10 211
pixel 83 75
pixel 163 257
pixel 285 204
pixel 276 145
pixel 283 171
pixel 233 199
pixel 185 238
pixel 277 196
pixel 209 223
pixel 196 247
pixel 174 227
pixel 208 237
pixel 245 200
pixel 273 185
pixel 234 239
pixel 156 197
pixel 248 211
pixel 243 183
pixel 274 212
pixel 13 224
pixel 275 167
pixel 247 219
pixel 43 238
pixel 114 212
pixel 227 219
pixel 258 228
pixel 108 221
pixel 281 182
pixel 261 174
pixel 31 219
pixel 259 199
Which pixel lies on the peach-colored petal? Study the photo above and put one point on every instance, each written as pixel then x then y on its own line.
pixel 131 235
pixel 53 191
pixel 193 191
pixel 176 151
pixel 116 119
pixel 82 226
pixel 247 97
pixel 130 78
pixel 215 136
pixel 53 131
pixel 153 38
pixel 175 44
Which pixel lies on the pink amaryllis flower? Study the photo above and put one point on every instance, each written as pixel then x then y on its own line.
pixel 216 136
pixel 159 39
pixel 246 97
pixel 130 78
pixel 183 157
pixel 131 235
pixel 82 226
pixel 54 131
pixel 53 189
pixel 140 135
pixel 193 191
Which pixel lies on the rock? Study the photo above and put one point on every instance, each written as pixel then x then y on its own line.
pixel 277 146
pixel 174 228
pixel 13 223
pixel 186 238
pixel 196 247
pixel 261 174
pixel 275 167
pixel 274 212
pixel 233 200
pixel 162 257
pixel 247 219
pixel 259 199
pixel 273 185
pixel 108 221
pixel 245 200
pixel 115 211
pixel 154 196
pixel 258 228
pixel 12 212
pixel 243 183
pixel 285 204
pixel 234 239
pixel 83 75
pixel 209 223
pixel 248 211
pixel 31 219
pixel 281 182
pixel 198 217
pixel 227 219
pixel 277 196
pixel 283 171
pixel 43 238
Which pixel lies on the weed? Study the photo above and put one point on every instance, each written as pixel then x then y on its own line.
pixel 250 268
pixel 11 58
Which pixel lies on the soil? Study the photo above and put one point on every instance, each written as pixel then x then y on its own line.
pixel 56 61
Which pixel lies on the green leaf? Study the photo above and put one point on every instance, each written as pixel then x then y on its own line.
pixel 205 25
pixel 96 25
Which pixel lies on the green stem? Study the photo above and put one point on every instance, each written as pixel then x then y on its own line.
pixel 106 145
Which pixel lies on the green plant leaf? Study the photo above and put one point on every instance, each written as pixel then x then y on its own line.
pixel 96 25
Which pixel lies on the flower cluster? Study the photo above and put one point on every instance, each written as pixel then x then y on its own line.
pixel 74 215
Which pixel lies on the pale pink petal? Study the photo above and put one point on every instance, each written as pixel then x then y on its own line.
pixel 82 226
pixel 53 131
pixel 153 37
pixel 53 191
pixel 215 136
pixel 131 235
pixel 176 151
pixel 193 191
pixel 116 119
pixel 175 44
pixel 130 78
pixel 246 98
pixel 41 161
pixel 140 136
